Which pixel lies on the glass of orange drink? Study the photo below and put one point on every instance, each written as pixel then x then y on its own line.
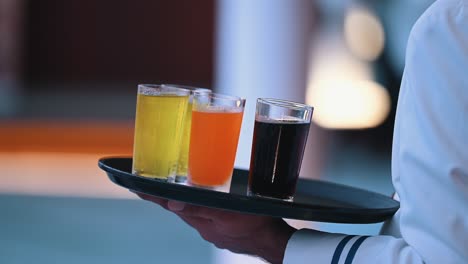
pixel 216 124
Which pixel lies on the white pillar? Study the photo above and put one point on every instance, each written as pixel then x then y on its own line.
pixel 262 51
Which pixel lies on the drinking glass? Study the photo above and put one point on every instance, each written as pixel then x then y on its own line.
pixel 182 167
pixel 280 136
pixel 159 124
pixel 216 123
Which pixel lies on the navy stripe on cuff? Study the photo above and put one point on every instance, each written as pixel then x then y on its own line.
pixel 354 249
pixel 339 249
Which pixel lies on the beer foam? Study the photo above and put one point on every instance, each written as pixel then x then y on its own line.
pixel 148 92
pixel 281 120
pixel 160 90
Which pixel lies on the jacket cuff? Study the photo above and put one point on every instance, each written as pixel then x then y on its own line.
pixel 307 245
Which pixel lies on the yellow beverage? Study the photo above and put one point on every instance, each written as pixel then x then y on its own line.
pixel 184 149
pixel 159 125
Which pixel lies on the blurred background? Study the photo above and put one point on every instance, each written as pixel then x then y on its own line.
pixel 68 77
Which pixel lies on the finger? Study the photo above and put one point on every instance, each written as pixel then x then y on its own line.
pixel 195 222
pixel 160 201
pixel 194 211
pixel 202 225
pixel 189 210
pixel 176 206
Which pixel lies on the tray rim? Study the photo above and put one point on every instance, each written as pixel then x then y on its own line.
pixel 309 212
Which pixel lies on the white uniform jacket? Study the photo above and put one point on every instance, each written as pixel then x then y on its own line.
pixel 429 158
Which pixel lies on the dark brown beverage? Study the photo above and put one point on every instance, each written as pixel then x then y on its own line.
pixel 277 150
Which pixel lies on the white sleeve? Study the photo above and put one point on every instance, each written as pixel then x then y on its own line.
pixel 429 159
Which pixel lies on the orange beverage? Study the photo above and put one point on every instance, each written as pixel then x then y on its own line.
pixel 213 146
pixel 213 142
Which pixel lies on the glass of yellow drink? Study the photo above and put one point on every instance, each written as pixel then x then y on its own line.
pixel 159 124
pixel 184 149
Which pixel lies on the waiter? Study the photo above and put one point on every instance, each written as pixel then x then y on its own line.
pixel 429 169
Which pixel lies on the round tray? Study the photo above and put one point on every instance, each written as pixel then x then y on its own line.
pixel 314 200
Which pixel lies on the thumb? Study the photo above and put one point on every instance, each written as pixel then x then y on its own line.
pixel 175 206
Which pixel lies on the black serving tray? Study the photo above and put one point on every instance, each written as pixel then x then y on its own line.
pixel 314 200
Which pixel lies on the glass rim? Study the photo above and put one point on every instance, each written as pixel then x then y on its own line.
pixel 161 88
pixel 285 103
pixel 187 87
pixel 220 96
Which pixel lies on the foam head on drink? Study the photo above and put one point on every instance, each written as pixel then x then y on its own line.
pixel 159 124
pixel 213 144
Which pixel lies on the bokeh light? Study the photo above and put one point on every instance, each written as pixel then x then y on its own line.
pixel 364 34
pixel 351 104
pixel 342 90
